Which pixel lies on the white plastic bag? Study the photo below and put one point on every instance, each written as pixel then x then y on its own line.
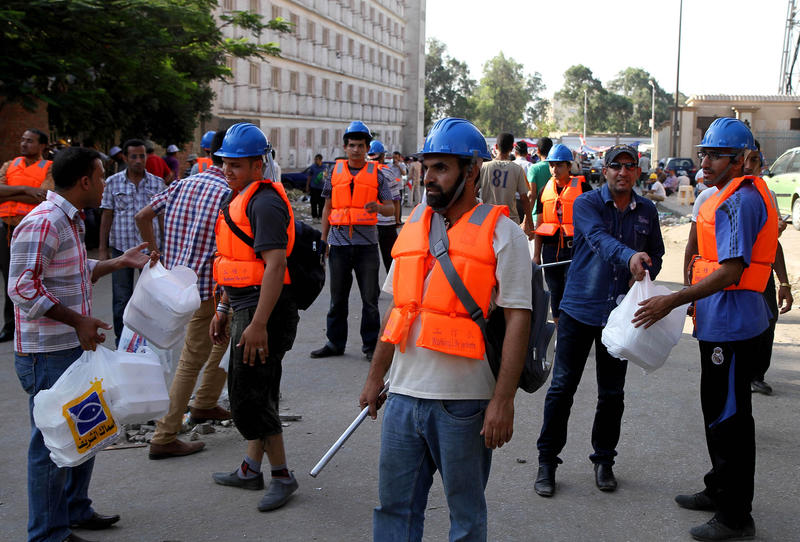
pixel 132 342
pixel 84 410
pixel 162 304
pixel 647 348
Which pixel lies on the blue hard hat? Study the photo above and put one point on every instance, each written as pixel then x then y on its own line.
pixel 242 140
pixel 728 133
pixel 456 136
pixel 376 147
pixel 357 127
pixel 559 153
pixel 208 137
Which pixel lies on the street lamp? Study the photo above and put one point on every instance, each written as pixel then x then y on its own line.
pixel 584 114
pixel 652 119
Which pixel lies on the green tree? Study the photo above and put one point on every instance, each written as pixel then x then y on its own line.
pixel 507 99
pixel 143 67
pixel 448 86
pixel 571 96
pixel 633 84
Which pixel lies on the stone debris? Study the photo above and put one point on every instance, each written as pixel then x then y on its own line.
pixel 291 417
pixel 520 460
pixel 204 429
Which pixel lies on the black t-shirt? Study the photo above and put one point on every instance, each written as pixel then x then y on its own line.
pixel 585 187
pixel 269 219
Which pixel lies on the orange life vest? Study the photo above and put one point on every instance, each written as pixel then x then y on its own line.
pixel 203 163
pixel 551 200
pixel 756 275
pixel 446 326
pixel 18 174
pixel 236 263
pixel 349 195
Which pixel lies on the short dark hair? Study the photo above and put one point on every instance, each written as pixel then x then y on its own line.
pixel 522 147
pixel 544 145
pixel 72 163
pixel 216 144
pixel 132 143
pixel 758 145
pixel 505 142
pixel 357 136
pixel 43 139
pixel 317 156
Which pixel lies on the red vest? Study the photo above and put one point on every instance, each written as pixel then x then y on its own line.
pixel 236 263
pixel 446 326
pixel 18 174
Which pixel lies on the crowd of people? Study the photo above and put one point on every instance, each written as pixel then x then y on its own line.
pixel 231 222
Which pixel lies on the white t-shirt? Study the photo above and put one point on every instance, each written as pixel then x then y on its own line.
pixel 428 374
pixel 701 197
pixel 524 164
pixel 658 189
pixel 683 180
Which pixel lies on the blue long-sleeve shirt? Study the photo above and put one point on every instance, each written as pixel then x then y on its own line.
pixel 605 239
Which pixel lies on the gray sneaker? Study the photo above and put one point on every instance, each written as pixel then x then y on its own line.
pixel 278 493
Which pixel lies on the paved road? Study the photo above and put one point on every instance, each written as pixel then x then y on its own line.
pixel 662 453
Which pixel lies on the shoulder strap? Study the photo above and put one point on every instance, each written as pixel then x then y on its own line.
pixel 237 231
pixel 439 245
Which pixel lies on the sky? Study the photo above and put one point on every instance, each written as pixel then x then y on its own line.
pixel 727 47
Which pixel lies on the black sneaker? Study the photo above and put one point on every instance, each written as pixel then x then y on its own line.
pixel 696 501
pixel 232 479
pixel 759 386
pixel 368 355
pixel 326 352
pixel 716 530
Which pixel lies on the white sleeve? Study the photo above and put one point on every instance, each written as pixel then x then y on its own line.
pixel 513 272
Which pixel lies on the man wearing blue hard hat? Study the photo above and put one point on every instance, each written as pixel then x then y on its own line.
pixel 255 235
pixel 355 191
pixel 387 225
pixel 737 236
pixel 204 162
pixel 447 410
pixel 616 234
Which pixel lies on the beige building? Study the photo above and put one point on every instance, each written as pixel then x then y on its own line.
pixel 346 60
pixel 775 121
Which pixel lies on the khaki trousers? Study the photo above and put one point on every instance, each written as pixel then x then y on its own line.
pixel 198 353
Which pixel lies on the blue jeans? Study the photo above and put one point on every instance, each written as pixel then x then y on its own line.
pixel 574 343
pixel 419 437
pixel 121 292
pixel 57 497
pixel 343 261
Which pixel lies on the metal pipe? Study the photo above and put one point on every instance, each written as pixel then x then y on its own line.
pixel 542 266
pixel 343 438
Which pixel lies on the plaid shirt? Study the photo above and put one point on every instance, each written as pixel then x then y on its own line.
pixel 48 267
pixel 191 207
pixel 126 199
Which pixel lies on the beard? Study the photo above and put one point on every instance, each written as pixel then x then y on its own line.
pixel 440 199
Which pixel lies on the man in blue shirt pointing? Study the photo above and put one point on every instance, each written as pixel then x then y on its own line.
pixel 617 234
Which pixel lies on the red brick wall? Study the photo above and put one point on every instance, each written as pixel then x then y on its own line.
pixel 14 120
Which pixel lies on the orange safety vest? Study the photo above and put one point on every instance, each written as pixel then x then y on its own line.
pixel 236 263
pixel 18 174
pixel 446 326
pixel 756 275
pixel 551 200
pixel 349 195
pixel 203 163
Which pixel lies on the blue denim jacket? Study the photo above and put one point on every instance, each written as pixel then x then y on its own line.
pixel 605 239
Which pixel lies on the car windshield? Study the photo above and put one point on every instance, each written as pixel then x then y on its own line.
pixel 680 163
pixel 781 165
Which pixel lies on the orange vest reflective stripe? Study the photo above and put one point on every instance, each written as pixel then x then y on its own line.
pixel 203 163
pixel 445 325
pixel 756 275
pixel 551 200
pixel 349 195
pixel 18 174
pixel 236 263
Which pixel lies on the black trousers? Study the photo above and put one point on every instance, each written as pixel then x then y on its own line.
pixel 761 362
pixel 726 371
pixel 387 235
pixel 317 202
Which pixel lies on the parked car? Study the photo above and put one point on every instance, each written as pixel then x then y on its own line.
pixel 298 179
pixel 783 178
pixel 681 164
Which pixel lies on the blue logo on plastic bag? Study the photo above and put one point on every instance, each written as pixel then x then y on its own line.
pixel 88 414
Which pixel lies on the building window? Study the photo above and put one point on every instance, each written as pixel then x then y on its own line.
pixel 338 136
pixel 275 137
pixel 361 51
pixel 380 59
pixel 371 13
pixel 293 137
pixel 230 63
pixel 338 42
pixel 325 88
pixel 349 93
pixel 310 138
pixel 338 90
pixel 351 48
pixel 294 18
pixel 255 73
pixel 276 12
pixel 323 138
pixel 254 7
pixel 293 85
pixel 276 78
pixel 310 85
pixel 363 8
pixel 227 5
pixel 794 124
pixel 310 30
pixel 371 55
pixel 371 97
pixel 326 37
pixel 361 95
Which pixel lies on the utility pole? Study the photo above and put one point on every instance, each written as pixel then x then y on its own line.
pixel 675 122
pixel 653 119
pixel 787 58
pixel 584 112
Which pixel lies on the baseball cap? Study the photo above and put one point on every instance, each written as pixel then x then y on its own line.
pixel 191 158
pixel 616 150
pixel 172 148
pixel 114 151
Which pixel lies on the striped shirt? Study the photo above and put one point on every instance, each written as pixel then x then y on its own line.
pixel 126 199
pixel 191 207
pixel 49 267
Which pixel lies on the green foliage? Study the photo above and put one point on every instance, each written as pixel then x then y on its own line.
pixel 143 67
pixel 507 99
pixel 448 86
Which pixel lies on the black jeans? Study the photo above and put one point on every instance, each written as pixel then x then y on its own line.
pixel 122 284
pixel 343 261
pixel 762 361
pixel 317 202
pixel 387 235
pixel 556 277
pixel 726 371
pixel 574 343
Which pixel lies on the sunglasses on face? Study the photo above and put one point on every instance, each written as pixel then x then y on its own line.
pixel 713 155
pixel 616 166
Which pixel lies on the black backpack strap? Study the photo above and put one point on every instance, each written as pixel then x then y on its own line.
pixel 439 245
pixel 237 231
